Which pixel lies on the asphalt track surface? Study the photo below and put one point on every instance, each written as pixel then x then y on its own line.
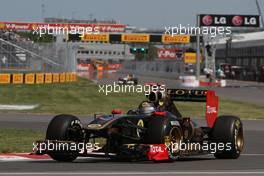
pixel 251 161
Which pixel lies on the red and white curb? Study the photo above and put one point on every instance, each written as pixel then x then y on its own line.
pixel 22 157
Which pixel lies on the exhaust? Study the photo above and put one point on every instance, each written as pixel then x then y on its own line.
pixel 155 96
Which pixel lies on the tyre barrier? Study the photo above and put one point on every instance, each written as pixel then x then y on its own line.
pixel 37 78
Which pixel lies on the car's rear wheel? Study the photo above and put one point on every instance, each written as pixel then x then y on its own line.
pixel 135 81
pixel 64 128
pixel 229 131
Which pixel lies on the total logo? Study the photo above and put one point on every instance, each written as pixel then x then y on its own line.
pixel 156 149
pixel 211 110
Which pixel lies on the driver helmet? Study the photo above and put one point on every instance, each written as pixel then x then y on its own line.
pixel 147 108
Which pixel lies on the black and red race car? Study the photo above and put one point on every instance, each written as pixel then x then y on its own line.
pixel 154 131
pixel 130 79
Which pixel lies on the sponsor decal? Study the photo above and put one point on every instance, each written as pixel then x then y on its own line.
pixel 35 26
pixel 18 78
pixel 211 110
pixel 207 20
pixel 95 38
pixel 94 125
pixel 5 78
pixel 158 152
pixel 237 20
pixel 74 122
pixel 135 38
pixel 30 78
pixel 189 58
pixel 230 20
pixel 174 123
pixel 186 92
pixel 166 53
pixel 140 124
pixel 175 38
pixel 237 124
pixel 39 78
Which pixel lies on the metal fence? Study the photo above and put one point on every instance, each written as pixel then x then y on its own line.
pixel 19 54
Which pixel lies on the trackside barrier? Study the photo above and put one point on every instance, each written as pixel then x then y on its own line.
pixel 29 78
pixel 5 78
pixel 62 77
pixel 56 77
pixel 68 76
pixel 48 78
pixel 37 78
pixel 18 78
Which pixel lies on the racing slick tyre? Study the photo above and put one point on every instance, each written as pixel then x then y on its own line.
pixel 228 129
pixel 135 81
pixel 64 128
pixel 157 130
pixel 160 131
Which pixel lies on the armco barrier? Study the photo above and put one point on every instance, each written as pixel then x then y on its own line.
pixel 56 77
pixel 62 77
pixel 30 78
pixel 18 78
pixel 5 78
pixel 68 76
pixel 37 78
pixel 48 78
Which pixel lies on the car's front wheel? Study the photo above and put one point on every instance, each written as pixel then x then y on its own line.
pixel 160 131
pixel 64 128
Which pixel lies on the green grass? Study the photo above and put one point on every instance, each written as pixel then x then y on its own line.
pixel 80 97
pixel 83 97
pixel 14 140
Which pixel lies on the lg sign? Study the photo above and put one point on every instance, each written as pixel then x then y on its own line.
pixel 208 20
pixel 230 20
pixel 249 21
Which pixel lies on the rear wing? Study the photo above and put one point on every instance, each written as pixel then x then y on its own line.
pixel 207 96
pixel 187 95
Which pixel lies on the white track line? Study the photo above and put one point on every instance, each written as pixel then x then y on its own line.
pixel 253 154
pixel 139 173
pixel 18 107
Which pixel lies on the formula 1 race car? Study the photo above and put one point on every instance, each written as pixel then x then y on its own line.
pixel 148 133
pixel 128 80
